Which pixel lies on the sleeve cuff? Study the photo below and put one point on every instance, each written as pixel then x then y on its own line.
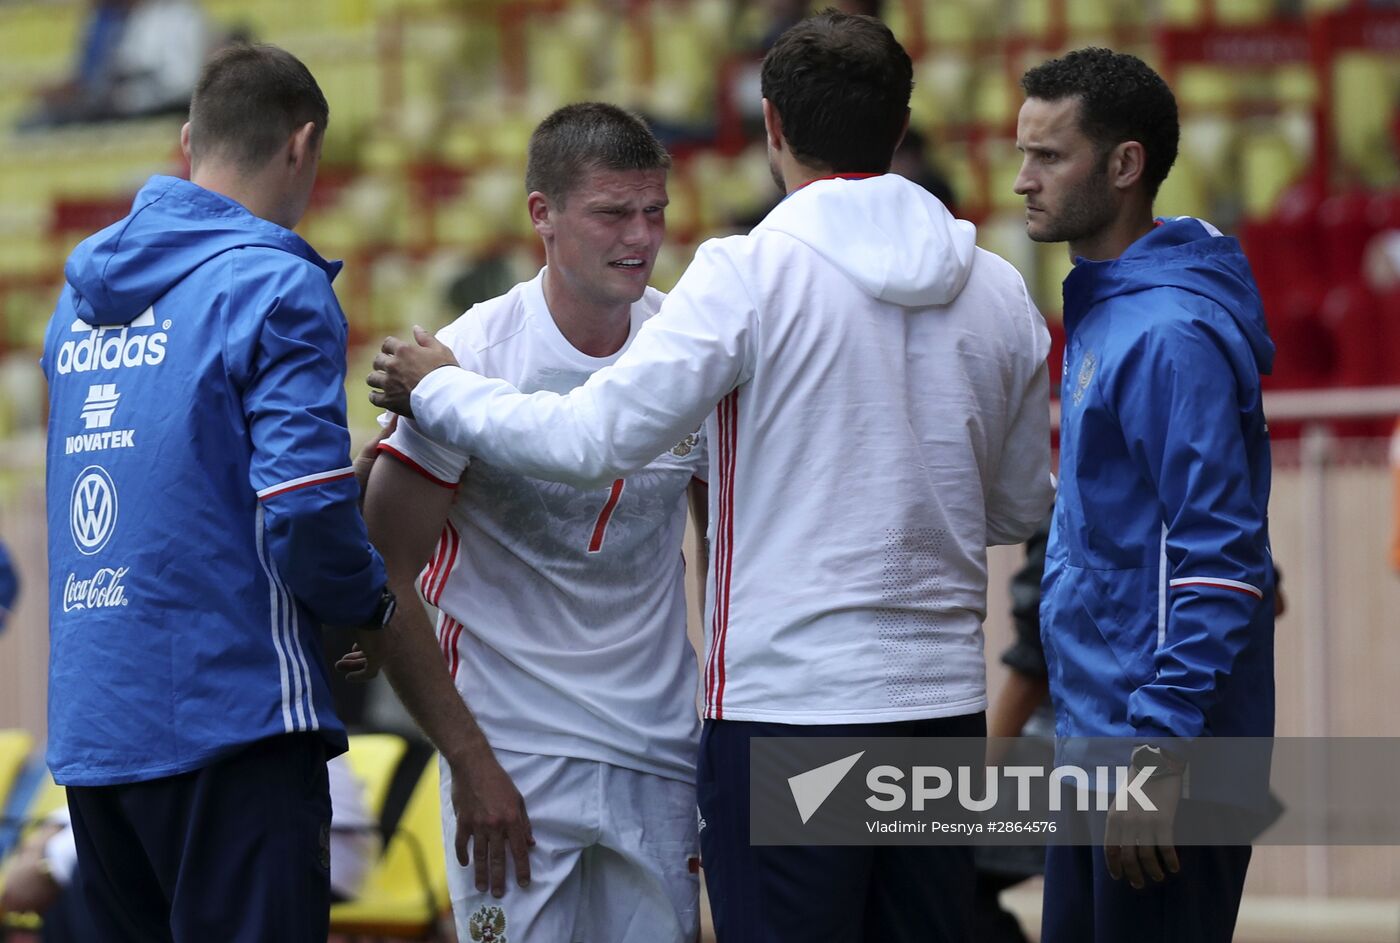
pixel 428 387
pixel 388 449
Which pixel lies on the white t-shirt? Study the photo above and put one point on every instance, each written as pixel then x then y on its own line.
pixel 562 609
pixel 877 403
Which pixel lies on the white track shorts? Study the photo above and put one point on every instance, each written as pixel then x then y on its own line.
pixel 615 860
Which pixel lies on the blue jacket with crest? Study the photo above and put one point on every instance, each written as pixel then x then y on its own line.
pixel 1157 608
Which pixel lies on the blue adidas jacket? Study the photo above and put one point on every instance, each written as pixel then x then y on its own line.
pixel 1158 596
pixel 202 510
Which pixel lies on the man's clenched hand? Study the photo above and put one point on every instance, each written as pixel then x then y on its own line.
pixel 400 367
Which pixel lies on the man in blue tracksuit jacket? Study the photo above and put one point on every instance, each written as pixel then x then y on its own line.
pixel 203 522
pixel 1158 596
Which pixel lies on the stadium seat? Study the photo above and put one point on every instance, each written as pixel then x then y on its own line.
pixel 1243 12
pixel 1345 227
pixel 1390 321
pixel 374 757
pixel 1184 192
pixel 995 103
pixel 949 23
pixel 1363 103
pixel 1089 17
pixel 1268 166
pixel 14 753
pixel 1351 314
pixel 1035 18
pixel 46 800
pixel 1181 13
pixel 406 893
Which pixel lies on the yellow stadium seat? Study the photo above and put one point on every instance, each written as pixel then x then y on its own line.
pixel 1089 17
pixel 1268 165
pixel 406 893
pixel 374 757
pixel 1005 162
pixel 1295 85
pixel 687 41
pixel 14 753
pixel 1363 100
pixel 1205 87
pixel 1184 192
pixel 996 101
pixel 47 799
pixel 1053 266
pixel 559 53
pixel 949 22
pixel 1242 12
pixel 1034 17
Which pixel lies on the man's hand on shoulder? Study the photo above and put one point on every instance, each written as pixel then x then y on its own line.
pixel 400 366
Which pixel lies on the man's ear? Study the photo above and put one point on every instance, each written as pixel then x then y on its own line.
pixel 1126 163
pixel 305 146
pixel 773 125
pixel 540 214
pixel 185 143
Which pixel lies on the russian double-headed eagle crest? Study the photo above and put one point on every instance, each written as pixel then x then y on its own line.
pixel 488 925
pixel 1086 376
pixel 687 445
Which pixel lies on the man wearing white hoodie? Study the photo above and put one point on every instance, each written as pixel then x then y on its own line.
pixel 875 394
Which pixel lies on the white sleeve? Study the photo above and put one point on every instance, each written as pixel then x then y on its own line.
pixel 697 348
pixel 61 852
pixel 438 463
pixel 1022 490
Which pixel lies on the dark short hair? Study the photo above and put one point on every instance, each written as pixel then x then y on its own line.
pixel 249 100
pixel 588 136
pixel 1120 99
pixel 841 85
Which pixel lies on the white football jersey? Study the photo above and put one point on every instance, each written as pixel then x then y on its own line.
pixel 563 614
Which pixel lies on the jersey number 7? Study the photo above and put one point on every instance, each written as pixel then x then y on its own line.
pixel 600 529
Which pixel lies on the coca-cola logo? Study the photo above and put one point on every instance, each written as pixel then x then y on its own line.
pixel 103 590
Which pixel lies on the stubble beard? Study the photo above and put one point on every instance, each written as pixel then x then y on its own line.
pixel 1086 210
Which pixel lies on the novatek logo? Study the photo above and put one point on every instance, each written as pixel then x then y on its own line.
pixel 92 515
pixel 102 590
pixel 101 403
pixel 112 347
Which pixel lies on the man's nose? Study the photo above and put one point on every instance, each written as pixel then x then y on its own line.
pixel 636 232
pixel 1025 183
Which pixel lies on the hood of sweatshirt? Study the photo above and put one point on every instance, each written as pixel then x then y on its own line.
pixel 1188 254
pixel 888 235
pixel 173 228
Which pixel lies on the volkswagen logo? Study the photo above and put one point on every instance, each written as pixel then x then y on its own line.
pixel 93 515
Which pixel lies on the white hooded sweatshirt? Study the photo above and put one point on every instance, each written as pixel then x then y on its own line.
pixel 877 405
